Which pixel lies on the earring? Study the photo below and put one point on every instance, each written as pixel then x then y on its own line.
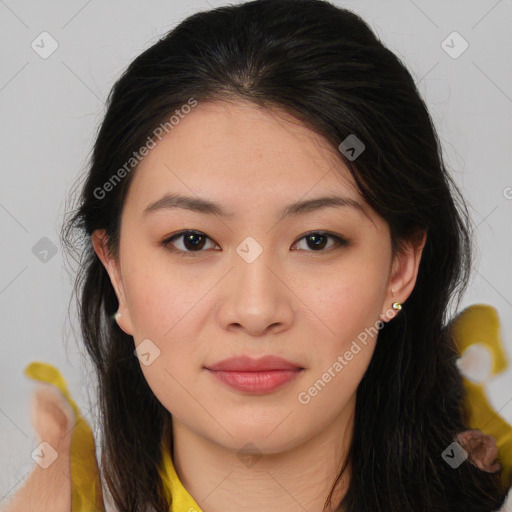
pixel 397 306
pixel 116 316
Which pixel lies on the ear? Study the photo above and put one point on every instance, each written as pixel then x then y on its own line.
pixel 403 274
pixel 99 243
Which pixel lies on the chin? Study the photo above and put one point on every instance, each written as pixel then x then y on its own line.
pixel 267 439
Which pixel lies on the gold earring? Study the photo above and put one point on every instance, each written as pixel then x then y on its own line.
pixel 397 306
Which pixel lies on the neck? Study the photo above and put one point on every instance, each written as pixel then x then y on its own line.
pixel 222 480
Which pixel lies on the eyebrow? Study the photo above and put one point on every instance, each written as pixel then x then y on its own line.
pixel 204 206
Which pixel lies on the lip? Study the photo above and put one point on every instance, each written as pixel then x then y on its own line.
pixel 257 376
pixel 250 364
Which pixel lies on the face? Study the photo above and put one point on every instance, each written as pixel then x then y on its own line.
pixel 253 278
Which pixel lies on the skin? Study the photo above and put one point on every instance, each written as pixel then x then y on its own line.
pixel 304 304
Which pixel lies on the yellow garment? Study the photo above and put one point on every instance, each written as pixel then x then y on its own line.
pixel 476 324
pixel 480 324
pixel 181 499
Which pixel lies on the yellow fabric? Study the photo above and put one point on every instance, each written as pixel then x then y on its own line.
pixel 480 324
pixel 476 324
pixel 180 499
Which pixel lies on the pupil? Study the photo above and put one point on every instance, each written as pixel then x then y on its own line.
pixel 316 240
pixel 190 239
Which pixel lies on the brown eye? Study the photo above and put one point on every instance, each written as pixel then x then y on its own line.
pixel 192 241
pixel 317 241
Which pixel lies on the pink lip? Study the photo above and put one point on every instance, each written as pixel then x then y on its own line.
pixel 249 364
pixel 250 375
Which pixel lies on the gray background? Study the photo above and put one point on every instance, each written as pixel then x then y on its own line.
pixel 50 109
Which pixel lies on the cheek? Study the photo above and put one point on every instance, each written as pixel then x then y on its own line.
pixel 164 303
pixel 346 308
pixel 162 311
pixel 346 298
pixel 345 305
pixel 160 297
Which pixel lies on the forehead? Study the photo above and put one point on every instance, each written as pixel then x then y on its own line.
pixel 241 155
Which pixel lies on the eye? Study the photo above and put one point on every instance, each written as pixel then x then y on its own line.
pixel 193 241
pixel 316 239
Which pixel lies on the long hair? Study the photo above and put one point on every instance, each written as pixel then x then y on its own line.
pixel 326 67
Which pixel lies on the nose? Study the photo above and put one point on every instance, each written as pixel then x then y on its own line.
pixel 256 297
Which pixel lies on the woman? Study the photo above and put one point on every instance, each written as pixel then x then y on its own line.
pixel 269 223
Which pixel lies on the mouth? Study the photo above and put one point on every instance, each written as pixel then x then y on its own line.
pixel 255 376
pixel 256 382
pixel 249 364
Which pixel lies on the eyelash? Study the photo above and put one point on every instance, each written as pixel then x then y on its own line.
pixel 340 241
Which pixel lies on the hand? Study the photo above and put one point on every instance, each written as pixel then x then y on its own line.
pixel 48 489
